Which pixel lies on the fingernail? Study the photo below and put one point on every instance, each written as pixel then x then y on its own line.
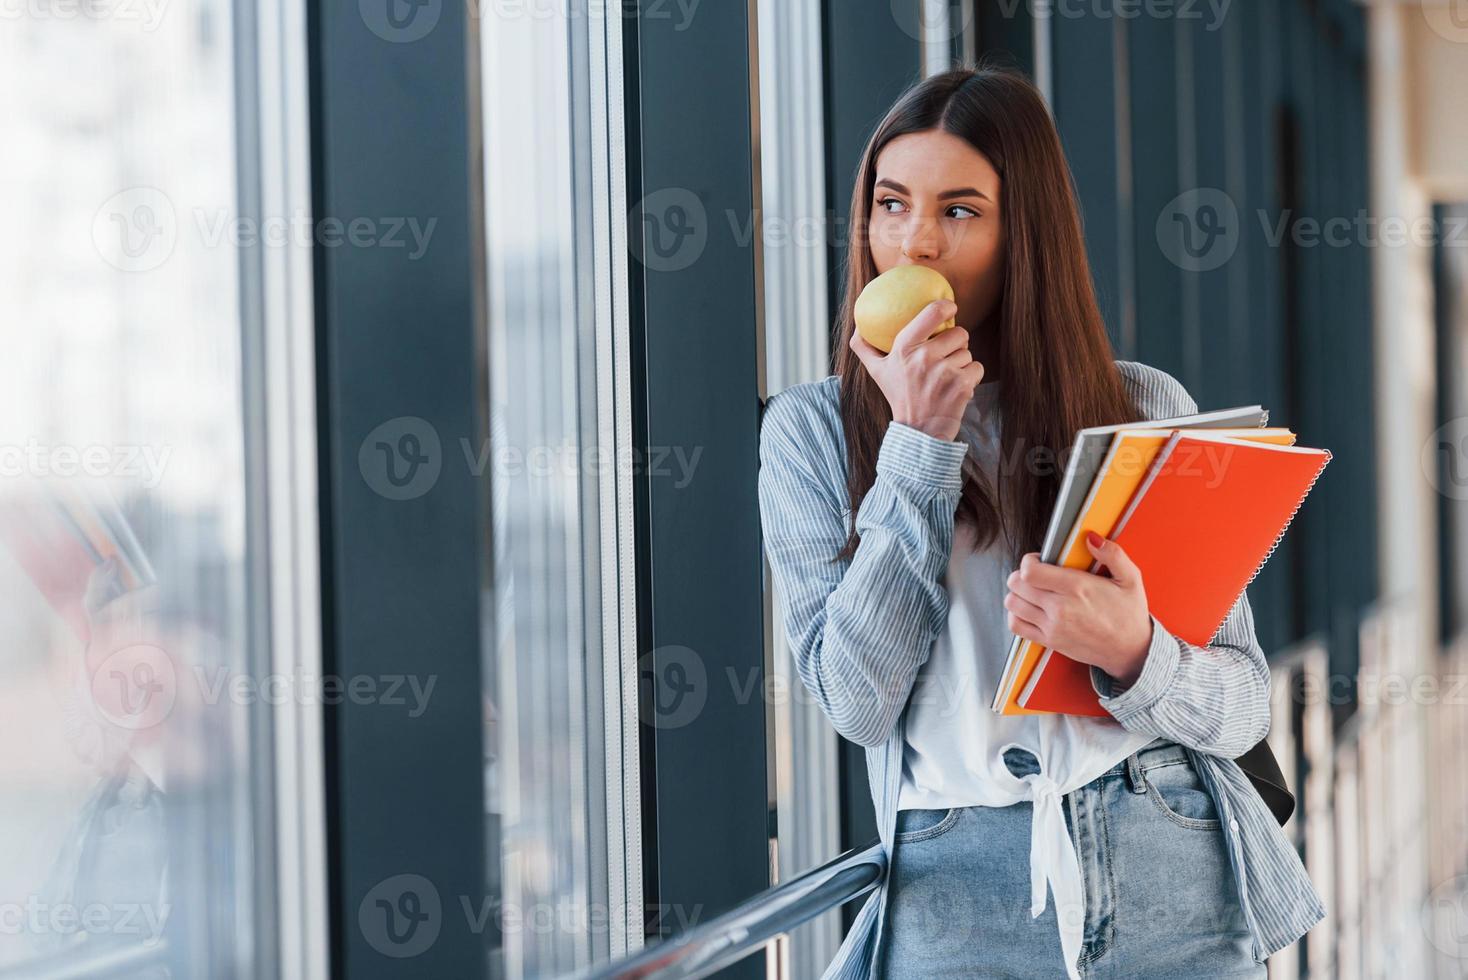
pixel 1094 538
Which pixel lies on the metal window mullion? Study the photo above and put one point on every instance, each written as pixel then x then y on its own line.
pixel 798 348
pixel 1043 18
pixel 935 17
pixel 586 807
pixel 287 398
pixel 614 428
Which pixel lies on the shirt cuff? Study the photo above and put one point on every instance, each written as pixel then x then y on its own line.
pixel 1157 674
pixel 914 455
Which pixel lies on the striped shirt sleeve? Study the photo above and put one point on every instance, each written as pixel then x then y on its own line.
pixel 859 630
pixel 1215 698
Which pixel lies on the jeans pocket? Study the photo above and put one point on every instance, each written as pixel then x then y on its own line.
pixel 916 825
pixel 1181 796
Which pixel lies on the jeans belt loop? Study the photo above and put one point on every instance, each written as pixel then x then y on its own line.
pixel 1136 779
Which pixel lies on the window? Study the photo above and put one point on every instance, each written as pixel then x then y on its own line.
pixel 144 694
pixel 560 701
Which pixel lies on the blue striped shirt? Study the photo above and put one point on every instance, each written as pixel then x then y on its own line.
pixel 860 629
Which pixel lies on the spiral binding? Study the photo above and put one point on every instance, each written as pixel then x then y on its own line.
pixel 1280 537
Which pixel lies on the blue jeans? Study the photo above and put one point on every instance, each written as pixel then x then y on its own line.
pixel 1161 900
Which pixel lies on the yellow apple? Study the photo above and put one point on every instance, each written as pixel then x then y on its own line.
pixel 890 301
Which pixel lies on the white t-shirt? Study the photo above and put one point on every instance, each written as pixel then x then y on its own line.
pixel 954 742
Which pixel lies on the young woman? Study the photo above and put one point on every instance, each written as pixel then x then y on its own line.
pixel 903 501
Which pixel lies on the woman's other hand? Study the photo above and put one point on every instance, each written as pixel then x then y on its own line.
pixel 1091 618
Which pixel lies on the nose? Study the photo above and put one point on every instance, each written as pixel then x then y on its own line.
pixel 920 240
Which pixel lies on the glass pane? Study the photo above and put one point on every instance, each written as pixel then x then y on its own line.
pixel 545 765
pixel 127 697
pixel 797 349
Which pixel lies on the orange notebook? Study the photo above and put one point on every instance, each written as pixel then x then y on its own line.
pixel 1208 515
pixel 1128 462
pixel 1081 471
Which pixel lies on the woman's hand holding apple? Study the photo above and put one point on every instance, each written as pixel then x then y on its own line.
pixel 928 378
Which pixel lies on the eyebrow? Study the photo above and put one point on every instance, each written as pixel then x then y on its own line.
pixel 945 195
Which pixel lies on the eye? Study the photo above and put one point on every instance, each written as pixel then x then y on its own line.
pixel 967 211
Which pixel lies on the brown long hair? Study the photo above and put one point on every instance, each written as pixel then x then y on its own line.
pixel 1056 358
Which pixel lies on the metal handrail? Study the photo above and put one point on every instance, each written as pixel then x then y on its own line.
pixel 747 927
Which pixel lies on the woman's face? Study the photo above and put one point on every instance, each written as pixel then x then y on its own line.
pixel 936 203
